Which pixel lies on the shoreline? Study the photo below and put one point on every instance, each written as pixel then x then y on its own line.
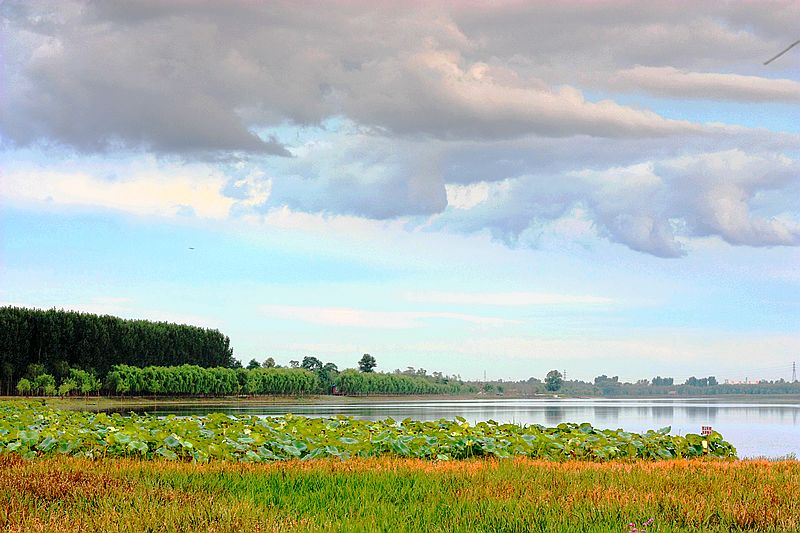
pixel 101 403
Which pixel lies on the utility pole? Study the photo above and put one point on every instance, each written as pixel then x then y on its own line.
pixel 794 372
pixel 564 373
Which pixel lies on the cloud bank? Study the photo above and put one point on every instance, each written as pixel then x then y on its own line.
pixel 504 118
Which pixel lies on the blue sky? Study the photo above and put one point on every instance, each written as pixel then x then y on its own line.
pixel 453 192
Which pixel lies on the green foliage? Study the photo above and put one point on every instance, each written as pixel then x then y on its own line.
pixel 327 376
pixel 33 431
pixel 45 384
pixel 85 382
pixel 33 370
pixel 192 380
pixel 353 382
pixel 53 341
pixel 311 363
pixel 658 381
pixel 607 385
pixel 288 381
pixel 66 387
pixel 24 386
pixel 367 363
pixel 710 381
pixel 253 364
pixel 184 380
pixel 553 380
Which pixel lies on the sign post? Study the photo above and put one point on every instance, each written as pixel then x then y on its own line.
pixel 705 431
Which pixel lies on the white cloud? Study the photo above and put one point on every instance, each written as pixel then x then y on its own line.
pixel 466 196
pixel 678 83
pixel 257 188
pixel 506 299
pixel 144 194
pixel 364 318
pixel 650 207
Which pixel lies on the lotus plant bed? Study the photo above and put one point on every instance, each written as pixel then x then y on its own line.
pixel 34 431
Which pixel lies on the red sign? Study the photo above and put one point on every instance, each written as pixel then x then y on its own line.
pixel 706 431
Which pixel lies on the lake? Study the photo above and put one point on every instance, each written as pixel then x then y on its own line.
pixel 755 427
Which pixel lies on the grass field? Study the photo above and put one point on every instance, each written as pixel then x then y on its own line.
pixel 68 494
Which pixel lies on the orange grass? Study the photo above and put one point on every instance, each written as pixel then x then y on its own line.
pixel 394 494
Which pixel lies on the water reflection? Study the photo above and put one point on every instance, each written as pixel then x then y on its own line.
pixel 769 429
pixel 554 414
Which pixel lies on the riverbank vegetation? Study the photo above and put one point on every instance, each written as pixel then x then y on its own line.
pixel 613 387
pixel 36 342
pixel 196 381
pixel 391 494
pixel 66 353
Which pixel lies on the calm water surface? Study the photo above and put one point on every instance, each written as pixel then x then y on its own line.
pixel 755 428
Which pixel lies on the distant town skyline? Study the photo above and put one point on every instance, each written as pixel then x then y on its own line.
pixel 507 187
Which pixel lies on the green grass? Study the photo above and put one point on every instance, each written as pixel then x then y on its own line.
pixel 125 495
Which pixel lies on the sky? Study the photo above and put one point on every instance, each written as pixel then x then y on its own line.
pixel 476 188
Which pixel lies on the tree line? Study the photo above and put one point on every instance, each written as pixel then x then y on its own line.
pixel 58 340
pixel 352 382
pixel 604 385
pixel 312 377
pixel 192 380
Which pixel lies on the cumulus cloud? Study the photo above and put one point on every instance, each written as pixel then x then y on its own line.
pixel 648 207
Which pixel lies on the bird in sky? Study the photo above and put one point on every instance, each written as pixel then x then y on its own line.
pixel 191 247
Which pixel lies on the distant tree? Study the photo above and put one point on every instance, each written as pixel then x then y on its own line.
pixel 327 376
pixel 311 363
pixel 24 387
pixel 253 364
pixel 45 384
pixel 60 370
pixel 34 370
pixel 54 340
pixel 235 363
pixel 367 363
pixel 658 381
pixel 607 385
pixel 294 364
pixel 8 376
pixel 553 380
pixel 66 388
pixel 269 362
pixel 712 381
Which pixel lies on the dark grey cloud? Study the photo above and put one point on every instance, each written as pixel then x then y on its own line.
pixel 199 76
